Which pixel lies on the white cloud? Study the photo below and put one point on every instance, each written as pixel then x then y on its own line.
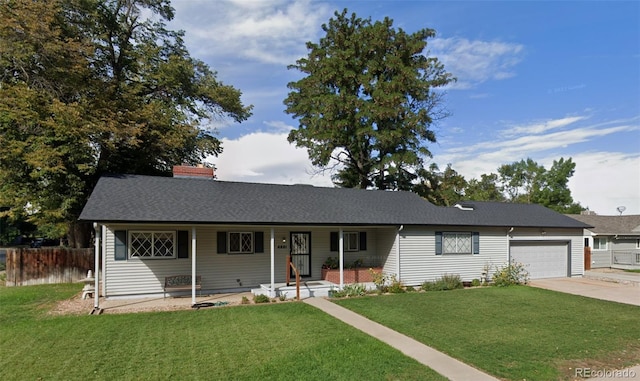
pixel 605 180
pixel 273 32
pixel 475 61
pixel 602 180
pixel 262 157
pixel 537 128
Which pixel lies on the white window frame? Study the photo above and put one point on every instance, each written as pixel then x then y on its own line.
pixel 250 250
pixel 351 241
pixel 597 243
pixel 458 236
pixel 154 235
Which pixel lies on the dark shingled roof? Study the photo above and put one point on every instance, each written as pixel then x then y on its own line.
pixel 191 200
pixel 611 225
pixel 133 198
pixel 505 214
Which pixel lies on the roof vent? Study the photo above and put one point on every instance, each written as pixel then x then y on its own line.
pixel 464 206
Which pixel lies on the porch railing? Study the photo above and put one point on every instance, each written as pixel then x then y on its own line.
pixel 631 258
pixel 291 266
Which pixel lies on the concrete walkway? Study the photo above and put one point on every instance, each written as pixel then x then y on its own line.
pixel 447 366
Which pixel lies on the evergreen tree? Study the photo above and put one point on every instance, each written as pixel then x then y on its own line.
pixel 367 101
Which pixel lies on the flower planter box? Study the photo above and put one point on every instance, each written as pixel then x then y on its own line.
pixel 359 275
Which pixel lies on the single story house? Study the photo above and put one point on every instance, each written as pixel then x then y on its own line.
pixel 235 235
pixel 614 240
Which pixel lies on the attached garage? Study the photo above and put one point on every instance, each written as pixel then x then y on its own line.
pixel 543 259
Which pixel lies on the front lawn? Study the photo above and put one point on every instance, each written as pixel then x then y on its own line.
pixel 514 333
pixel 284 341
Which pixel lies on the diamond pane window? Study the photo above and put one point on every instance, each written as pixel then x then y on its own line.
pixel 152 244
pixel 456 243
pixel 240 242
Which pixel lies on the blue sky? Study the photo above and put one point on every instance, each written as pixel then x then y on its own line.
pixel 535 79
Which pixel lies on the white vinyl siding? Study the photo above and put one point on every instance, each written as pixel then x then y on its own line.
pixel 136 276
pixel 420 263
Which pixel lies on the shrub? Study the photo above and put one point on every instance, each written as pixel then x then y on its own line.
pixel 511 274
pixel 380 280
pixel 282 297
pixel 396 286
pixel 244 300
pixel 261 299
pixel 475 282
pixel 330 263
pixel 445 282
pixel 350 290
pixel 410 289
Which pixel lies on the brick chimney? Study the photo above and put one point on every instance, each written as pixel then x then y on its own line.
pixel 188 171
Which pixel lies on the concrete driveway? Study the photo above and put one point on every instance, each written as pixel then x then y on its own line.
pixel 592 288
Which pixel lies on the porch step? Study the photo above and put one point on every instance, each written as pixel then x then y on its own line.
pixel 308 289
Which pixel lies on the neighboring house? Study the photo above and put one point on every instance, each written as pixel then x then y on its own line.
pixel 614 240
pixel 238 235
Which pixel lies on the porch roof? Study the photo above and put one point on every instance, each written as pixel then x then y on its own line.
pixel 151 199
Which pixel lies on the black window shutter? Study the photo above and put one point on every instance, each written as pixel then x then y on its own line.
pixel 222 242
pixel 333 245
pixel 476 242
pixel 183 244
pixel 120 245
pixel 363 241
pixel 258 244
pixel 438 243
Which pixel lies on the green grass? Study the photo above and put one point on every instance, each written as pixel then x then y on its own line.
pixel 514 332
pixel 633 270
pixel 284 341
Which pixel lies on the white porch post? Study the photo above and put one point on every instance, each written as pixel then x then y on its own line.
pixel 104 262
pixel 341 251
pixel 193 265
pixel 96 267
pixel 272 292
pixel 398 251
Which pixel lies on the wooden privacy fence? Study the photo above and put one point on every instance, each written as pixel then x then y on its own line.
pixel 48 265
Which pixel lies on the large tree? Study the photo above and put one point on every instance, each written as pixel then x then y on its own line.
pixel 89 87
pixel 367 101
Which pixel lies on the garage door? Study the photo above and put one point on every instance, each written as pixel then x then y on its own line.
pixel 542 259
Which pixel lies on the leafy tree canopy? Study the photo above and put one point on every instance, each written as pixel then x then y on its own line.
pixel 89 87
pixel 524 181
pixel 367 101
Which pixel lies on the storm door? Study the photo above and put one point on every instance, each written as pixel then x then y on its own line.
pixel 301 252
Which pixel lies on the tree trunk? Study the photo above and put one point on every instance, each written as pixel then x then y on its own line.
pixel 80 234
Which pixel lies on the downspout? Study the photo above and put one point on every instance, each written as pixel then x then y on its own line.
pixel 96 286
pixel 400 228
pixel 193 266
pixel 104 262
pixel 341 256
pixel 272 293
